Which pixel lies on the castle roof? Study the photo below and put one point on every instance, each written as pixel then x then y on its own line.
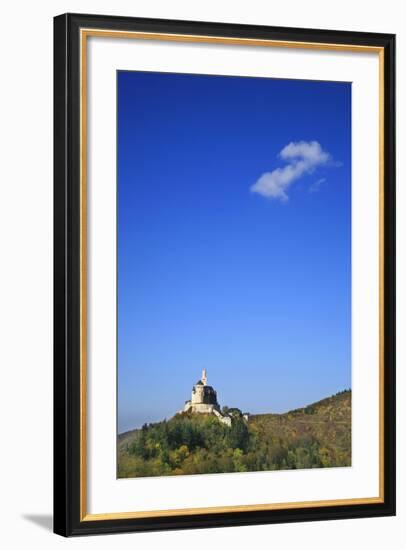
pixel 199 383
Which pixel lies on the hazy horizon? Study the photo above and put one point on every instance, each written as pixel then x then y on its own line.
pixel 171 414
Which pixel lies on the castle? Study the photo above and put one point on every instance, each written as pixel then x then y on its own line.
pixel 204 400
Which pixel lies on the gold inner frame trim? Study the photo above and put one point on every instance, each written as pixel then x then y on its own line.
pixel 84 34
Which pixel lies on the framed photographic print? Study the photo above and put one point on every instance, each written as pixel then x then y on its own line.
pixel 224 274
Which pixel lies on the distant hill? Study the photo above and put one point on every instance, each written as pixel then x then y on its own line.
pixel 315 436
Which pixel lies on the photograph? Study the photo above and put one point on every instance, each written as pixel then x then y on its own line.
pixel 224 274
pixel 233 274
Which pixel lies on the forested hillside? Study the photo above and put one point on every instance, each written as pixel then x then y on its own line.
pixel 316 436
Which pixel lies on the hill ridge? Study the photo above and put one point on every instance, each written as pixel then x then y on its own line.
pixel 314 436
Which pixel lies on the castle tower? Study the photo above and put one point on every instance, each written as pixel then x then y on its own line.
pixel 204 400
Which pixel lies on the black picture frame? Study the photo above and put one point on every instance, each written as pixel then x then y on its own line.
pixel 68 519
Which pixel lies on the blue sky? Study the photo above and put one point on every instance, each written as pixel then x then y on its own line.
pixel 234 242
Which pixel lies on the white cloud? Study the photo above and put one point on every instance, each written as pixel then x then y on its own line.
pixel 303 157
pixel 316 185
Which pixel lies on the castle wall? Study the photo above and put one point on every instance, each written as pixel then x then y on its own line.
pixel 203 408
pixel 224 419
pixel 197 394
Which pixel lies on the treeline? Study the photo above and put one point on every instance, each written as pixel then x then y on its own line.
pixel 197 444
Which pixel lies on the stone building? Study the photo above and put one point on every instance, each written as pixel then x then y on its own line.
pixel 204 400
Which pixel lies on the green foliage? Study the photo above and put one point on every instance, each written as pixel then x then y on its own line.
pixel 317 436
pixel 237 436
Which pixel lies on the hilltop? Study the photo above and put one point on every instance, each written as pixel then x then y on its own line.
pixel 315 436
